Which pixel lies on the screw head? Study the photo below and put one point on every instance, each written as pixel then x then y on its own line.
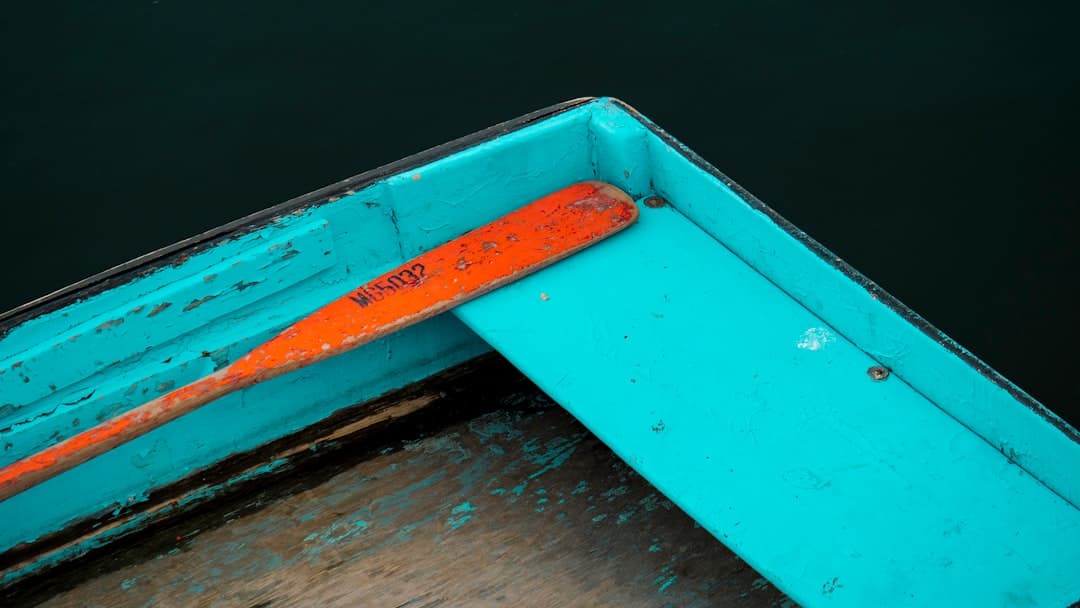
pixel 878 373
pixel 655 202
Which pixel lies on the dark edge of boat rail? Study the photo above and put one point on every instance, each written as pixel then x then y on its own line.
pixel 875 290
pixel 456 393
pixel 150 262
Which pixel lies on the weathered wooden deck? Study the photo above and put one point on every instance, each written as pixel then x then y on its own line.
pixel 519 506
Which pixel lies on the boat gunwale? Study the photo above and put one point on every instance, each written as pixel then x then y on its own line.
pixel 179 251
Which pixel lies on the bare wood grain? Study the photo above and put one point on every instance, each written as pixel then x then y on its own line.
pixel 516 507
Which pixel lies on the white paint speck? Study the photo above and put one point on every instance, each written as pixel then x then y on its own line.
pixel 815 338
pixel 325 346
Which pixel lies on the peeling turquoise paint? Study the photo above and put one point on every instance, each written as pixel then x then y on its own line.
pixel 465 507
pixel 664 580
pixel 405 533
pixel 460 515
pixel 553 456
pixel 341 531
pixel 499 427
pixel 612 493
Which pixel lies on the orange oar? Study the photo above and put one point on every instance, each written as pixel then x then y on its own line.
pixel 509 248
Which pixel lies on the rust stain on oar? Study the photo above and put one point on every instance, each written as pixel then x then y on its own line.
pixel 509 248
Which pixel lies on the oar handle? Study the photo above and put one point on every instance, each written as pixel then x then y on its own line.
pixel 515 245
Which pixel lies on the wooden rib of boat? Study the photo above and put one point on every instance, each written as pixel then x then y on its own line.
pixel 808 424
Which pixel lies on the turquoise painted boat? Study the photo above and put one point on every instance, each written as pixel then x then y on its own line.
pixel 846 450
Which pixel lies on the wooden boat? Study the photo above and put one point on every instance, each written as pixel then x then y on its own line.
pixel 844 449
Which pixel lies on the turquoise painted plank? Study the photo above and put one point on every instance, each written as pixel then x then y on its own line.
pixel 760 420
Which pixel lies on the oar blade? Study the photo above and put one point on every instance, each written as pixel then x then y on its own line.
pixel 513 246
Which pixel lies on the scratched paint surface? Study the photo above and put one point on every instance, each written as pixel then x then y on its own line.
pixel 519 506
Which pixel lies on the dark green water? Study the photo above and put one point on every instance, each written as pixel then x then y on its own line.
pixel 933 148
